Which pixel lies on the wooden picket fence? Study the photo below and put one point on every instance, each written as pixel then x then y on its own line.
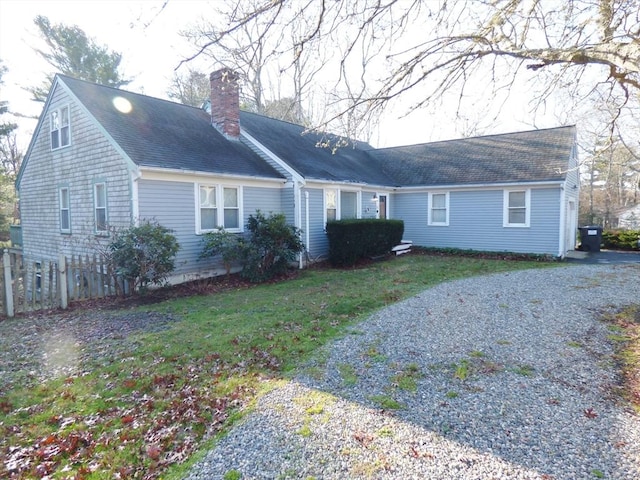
pixel 31 285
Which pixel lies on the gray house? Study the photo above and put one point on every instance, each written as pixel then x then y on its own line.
pixel 102 157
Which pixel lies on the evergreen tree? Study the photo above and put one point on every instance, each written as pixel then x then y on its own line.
pixel 71 52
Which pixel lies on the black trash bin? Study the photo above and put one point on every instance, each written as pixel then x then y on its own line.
pixel 590 238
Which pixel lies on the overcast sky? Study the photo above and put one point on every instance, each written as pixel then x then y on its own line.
pixel 147 36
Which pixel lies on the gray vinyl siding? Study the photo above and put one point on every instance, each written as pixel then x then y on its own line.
pixel 368 209
pixel 267 200
pixel 318 242
pixel 411 208
pixel 173 205
pixel 282 171
pixel 476 222
pixel 89 158
pixel 287 206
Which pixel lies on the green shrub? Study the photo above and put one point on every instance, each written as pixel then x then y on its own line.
pixel 351 240
pixel 143 254
pixel 271 246
pixel 229 246
pixel 621 239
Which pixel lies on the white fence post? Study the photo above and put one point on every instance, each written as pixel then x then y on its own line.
pixel 62 281
pixel 8 284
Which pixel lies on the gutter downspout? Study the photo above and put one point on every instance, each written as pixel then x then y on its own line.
pixel 306 218
pixel 297 199
pixel 135 202
pixel 562 251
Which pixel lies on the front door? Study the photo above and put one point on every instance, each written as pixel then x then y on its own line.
pixel 382 207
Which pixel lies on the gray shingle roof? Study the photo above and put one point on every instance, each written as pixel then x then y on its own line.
pixel 159 133
pixel 288 141
pixel 531 156
pixel 163 134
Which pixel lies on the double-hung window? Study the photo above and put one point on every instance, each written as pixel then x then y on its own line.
pixel 517 208
pixel 60 124
pixel 100 207
pixel 65 214
pixel 348 205
pixel 340 205
pixel 219 207
pixel 438 209
pixel 208 208
pixel 331 204
pixel 231 208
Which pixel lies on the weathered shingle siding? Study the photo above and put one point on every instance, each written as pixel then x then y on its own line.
pixel 476 222
pixel 89 158
pixel 573 172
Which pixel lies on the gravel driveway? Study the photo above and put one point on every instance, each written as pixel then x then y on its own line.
pixel 503 376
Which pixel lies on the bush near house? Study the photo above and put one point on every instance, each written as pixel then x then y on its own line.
pixel 229 246
pixel 143 255
pixel 352 240
pixel 621 240
pixel 264 254
pixel 272 245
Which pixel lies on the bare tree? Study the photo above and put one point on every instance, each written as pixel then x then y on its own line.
pixel 192 88
pixel 276 78
pixel 443 49
pixel 246 50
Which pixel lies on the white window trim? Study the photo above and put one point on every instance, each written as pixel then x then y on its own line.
pixel 106 208
pixel 68 209
pixel 527 206
pixel 339 191
pixel 430 220
pixel 59 130
pixel 219 207
pixel 358 202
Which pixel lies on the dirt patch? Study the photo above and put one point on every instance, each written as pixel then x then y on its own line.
pixel 35 348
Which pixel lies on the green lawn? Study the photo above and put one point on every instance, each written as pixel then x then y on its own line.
pixel 156 409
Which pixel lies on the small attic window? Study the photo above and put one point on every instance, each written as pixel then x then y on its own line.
pixel 60 123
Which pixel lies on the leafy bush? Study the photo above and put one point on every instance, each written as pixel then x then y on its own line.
pixel 271 246
pixel 229 246
pixel 143 254
pixel 351 240
pixel 621 239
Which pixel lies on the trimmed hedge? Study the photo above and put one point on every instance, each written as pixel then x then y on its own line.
pixel 352 240
pixel 621 239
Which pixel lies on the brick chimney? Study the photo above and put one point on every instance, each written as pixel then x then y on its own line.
pixel 225 102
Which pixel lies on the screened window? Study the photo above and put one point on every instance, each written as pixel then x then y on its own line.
pixel 219 207
pixel 60 123
pixel 438 209
pixel 348 205
pixel 100 206
pixel 516 208
pixel 231 208
pixel 331 204
pixel 65 217
pixel 340 205
pixel 208 208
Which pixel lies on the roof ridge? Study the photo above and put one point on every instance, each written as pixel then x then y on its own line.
pixel 100 85
pixel 492 135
